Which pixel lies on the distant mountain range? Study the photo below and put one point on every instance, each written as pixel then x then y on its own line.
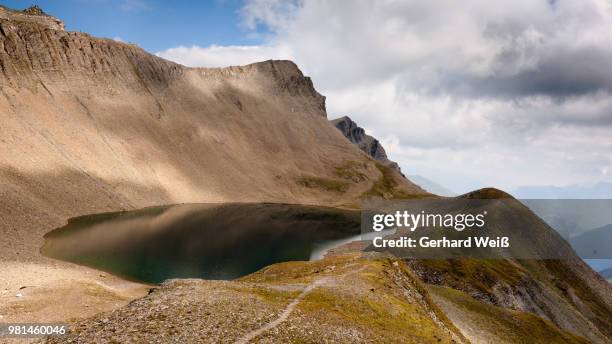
pixel 572 217
pixel 607 274
pixel 594 244
pixel 601 190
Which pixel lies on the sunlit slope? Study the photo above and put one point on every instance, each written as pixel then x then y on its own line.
pixel 90 125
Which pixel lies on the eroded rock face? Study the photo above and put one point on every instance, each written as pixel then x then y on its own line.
pixel 35 51
pixel 365 142
pixel 33 14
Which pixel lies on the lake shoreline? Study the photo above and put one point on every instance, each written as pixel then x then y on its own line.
pixel 36 288
pixel 199 240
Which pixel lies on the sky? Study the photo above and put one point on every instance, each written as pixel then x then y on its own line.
pixel 466 93
pixel 154 25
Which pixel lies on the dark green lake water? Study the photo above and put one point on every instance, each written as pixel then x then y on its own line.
pixel 209 241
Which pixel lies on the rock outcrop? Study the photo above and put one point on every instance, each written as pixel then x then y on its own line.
pixel 365 142
pixel 33 14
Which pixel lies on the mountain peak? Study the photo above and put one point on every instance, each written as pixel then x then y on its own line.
pixel 32 14
pixel 34 10
pixel 487 193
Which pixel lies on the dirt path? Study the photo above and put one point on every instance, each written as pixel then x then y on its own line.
pixel 328 281
pixel 285 314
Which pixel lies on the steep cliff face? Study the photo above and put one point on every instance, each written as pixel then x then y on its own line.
pixel 90 125
pixel 365 142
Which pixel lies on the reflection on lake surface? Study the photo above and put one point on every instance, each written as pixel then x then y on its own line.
pixel 211 241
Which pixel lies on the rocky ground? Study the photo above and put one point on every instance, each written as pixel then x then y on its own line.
pixel 345 299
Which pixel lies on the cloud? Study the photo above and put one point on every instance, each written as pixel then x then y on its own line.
pixel 271 14
pixel 134 5
pixel 222 56
pixel 507 94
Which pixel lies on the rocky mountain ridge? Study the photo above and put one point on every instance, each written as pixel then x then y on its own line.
pixel 367 143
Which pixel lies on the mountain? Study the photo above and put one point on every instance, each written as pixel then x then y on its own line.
pixel 594 244
pixel 607 274
pixel 600 190
pixel 91 125
pixel 431 186
pixel 562 290
pixel 572 217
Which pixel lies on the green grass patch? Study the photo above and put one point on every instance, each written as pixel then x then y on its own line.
pixel 352 170
pixel 270 295
pixel 387 186
pixel 325 184
pixel 382 316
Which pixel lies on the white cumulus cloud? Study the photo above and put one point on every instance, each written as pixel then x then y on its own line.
pixel 222 56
